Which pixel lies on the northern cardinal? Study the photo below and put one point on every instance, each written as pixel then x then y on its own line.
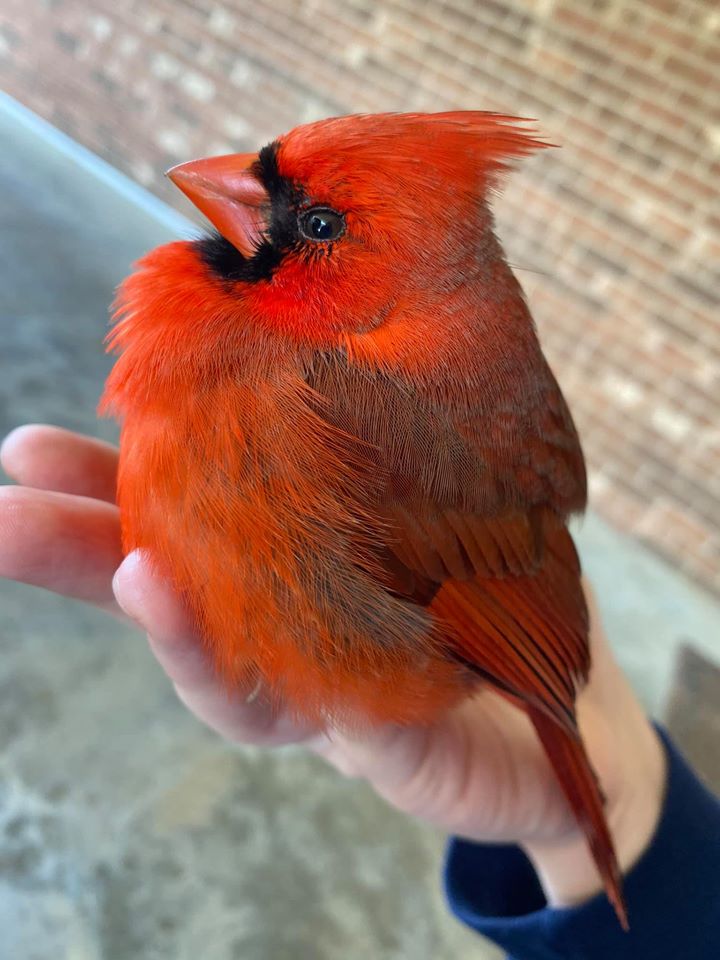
pixel 341 440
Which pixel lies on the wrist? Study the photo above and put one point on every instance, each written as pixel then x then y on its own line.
pixel 630 761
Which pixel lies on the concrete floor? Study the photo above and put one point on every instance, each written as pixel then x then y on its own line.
pixel 127 831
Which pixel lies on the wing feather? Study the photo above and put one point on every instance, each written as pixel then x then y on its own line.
pixel 475 503
pixel 481 518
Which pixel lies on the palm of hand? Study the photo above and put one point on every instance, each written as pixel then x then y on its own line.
pixel 479 772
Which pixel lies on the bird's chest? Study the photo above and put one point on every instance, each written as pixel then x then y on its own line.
pixel 240 468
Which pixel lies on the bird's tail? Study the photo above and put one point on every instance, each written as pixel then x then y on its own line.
pixel 580 786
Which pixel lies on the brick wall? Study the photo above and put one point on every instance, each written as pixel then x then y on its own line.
pixel 616 236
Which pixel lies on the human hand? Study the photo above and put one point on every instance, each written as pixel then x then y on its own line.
pixel 479 772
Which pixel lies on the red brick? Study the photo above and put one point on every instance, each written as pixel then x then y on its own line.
pixel 692 71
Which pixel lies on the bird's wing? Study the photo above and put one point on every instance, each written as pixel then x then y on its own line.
pixel 475 504
pixel 475 508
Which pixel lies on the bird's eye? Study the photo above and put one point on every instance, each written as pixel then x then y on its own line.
pixel 321 224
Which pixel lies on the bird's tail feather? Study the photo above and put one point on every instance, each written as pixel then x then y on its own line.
pixel 580 786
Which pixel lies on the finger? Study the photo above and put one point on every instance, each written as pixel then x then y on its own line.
pixel 238 715
pixel 54 459
pixel 70 545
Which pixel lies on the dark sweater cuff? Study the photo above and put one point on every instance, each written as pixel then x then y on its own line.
pixel 673 892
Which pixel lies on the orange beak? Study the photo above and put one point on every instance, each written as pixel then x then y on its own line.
pixel 231 197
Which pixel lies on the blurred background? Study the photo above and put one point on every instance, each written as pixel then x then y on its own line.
pixel 128 831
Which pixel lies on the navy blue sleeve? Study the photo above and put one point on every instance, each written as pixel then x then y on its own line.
pixel 673 892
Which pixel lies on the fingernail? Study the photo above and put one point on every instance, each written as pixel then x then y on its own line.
pixel 124 575
pixel 8 444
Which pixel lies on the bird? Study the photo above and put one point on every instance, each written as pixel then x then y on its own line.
pixel 342 442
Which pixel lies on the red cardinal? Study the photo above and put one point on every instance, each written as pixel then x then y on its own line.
pixel 342 441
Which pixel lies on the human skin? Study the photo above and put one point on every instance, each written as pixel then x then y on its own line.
pixel 479 772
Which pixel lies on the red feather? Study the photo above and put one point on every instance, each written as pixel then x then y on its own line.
pixel 351 456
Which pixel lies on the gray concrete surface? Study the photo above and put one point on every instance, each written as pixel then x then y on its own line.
pixel 127 832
